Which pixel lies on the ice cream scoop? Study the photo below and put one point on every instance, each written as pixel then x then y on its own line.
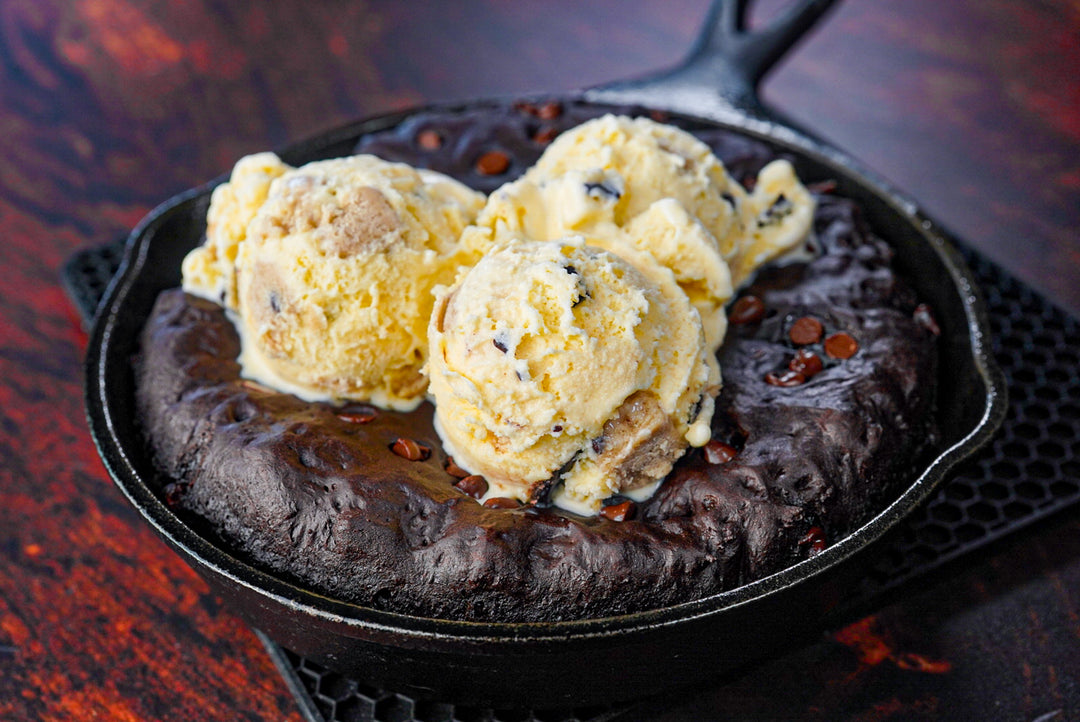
pixel 557 361
pixel 334 263
pixel 776 218
pixel 635 183
pixel 586 203
pixel 648 162
pixel 209 270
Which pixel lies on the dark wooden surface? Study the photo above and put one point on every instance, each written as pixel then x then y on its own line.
pixel 109 106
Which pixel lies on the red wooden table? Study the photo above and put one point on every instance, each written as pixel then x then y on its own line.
pixel 109 106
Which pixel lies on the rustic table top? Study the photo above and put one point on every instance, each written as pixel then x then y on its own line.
pixel 107 107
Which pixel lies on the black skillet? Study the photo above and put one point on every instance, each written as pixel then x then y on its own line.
pixel 595 660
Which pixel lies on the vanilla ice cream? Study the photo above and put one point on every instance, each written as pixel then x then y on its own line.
pixel 652 161
pixel 634 183
pixel 775 219
pixel 554 360
pixel 585 203
pixel 210 270
pixel 334 263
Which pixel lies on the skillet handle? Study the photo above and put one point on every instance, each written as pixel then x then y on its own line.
pixel 720 76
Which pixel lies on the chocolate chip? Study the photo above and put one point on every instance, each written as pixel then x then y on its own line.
pixel 815 539
pixel 620 511
pixel 806 363
pixel 785 379
pixel 780 209
pixel 546 135
pixel 556 428
pixel 502 502
pixel 806 330
pixel 275 303
pixel 822 187
pixel 500 343
pixel 717 452
pixel 549 111
pixel 841 346
pixel 925 318
pixel 523 106
pixel 474 485
pixel 695 410
pixel 175 492
pixel 598 445
pixel 494 162
pixel 580 297
pixel 358 414
pixel 597 190
pixel 453 469
pixel 409 449
pixel 429 139
pixel 748 309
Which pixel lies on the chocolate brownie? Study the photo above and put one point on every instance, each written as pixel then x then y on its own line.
pixel 827 406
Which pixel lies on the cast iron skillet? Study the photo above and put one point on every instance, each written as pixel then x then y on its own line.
pixel 594 660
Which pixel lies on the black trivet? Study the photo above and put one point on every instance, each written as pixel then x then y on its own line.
pixel 1029 471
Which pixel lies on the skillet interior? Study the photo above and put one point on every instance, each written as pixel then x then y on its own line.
pixel 571 661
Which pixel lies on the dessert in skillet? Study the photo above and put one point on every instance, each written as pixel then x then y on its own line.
pixel 573 343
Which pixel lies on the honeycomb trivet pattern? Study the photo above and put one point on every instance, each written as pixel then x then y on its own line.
pixel 86 276
pixel 1032 467
pixel 330 696
pixel 1029 471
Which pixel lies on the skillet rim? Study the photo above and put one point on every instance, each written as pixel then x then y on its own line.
pixel 212 558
